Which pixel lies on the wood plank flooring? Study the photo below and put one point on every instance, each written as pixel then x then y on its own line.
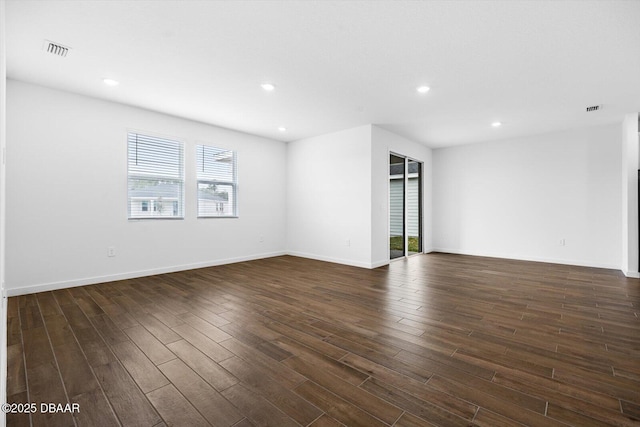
pixel 433 340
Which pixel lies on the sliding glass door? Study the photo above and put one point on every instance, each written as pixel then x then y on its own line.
pixel 405 206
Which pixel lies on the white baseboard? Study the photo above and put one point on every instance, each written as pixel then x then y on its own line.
pixel 331 259
pixel 376 264
pixel 579 263
pixel 52 286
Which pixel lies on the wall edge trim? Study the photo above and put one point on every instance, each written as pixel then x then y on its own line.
pixel 331 259
pixel 578 263
pixel 52 286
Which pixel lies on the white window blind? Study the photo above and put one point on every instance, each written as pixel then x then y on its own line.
pixel 217 183
pixel 155 177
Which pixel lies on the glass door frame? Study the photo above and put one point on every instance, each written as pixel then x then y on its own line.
pixel 405 231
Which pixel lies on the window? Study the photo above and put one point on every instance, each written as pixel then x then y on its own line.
pixel 217 185
pixel 155 177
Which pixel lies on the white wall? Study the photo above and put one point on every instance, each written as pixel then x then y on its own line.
pixel 3 299
pixel 518 198
pixel 67 198
pixel 324 197
pixel 384 142
pixel 329 197
pixel 630 166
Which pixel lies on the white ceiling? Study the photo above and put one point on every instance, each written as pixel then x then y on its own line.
pixel 533 65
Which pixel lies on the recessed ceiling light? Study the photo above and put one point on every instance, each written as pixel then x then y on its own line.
pixel 110 82
pixel 496 124
pixel 422 89
pixel 268 86
pixel 282 129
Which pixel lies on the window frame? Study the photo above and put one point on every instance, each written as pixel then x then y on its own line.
pixel 152 203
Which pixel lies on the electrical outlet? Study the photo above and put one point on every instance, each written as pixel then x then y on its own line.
pixel 111 251
pixel 261 239
pixel 563 242
pixel 348 242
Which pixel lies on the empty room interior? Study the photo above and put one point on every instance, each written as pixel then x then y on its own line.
pixel 319 213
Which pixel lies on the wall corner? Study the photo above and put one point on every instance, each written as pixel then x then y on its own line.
pixel 630 167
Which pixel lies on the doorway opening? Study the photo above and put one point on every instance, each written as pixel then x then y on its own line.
pixel 405 206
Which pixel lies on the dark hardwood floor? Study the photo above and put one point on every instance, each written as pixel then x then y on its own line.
pixel 436 339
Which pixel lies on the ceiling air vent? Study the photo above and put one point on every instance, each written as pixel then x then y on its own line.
pixel 594 108
pixel 56 48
